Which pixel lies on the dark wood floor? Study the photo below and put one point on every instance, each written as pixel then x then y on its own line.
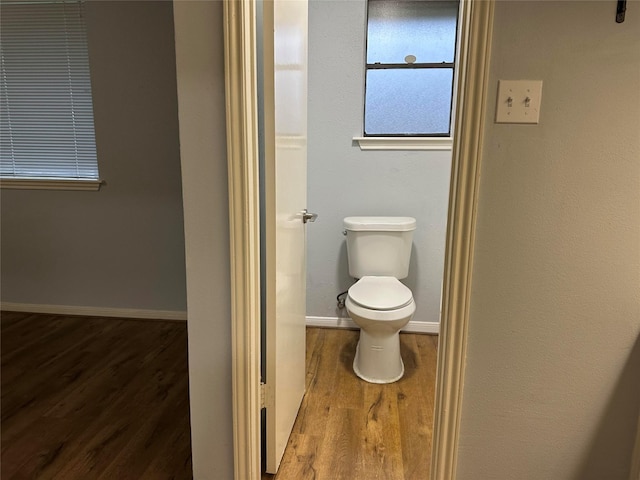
pixel 353 430
pixel 93 398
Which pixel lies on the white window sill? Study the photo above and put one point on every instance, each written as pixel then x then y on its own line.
pixel 50 184
pixel 404 143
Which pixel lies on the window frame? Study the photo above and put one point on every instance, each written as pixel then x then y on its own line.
pixel 410 141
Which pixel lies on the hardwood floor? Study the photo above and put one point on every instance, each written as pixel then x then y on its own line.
pixel 353 430
pixel 94 398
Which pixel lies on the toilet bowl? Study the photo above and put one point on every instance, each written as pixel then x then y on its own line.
pixel 381 306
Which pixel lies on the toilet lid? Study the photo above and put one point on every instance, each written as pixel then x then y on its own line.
pixel 380 293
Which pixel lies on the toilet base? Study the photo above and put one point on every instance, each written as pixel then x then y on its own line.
pixel 378 358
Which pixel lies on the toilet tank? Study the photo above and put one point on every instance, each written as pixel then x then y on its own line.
pixel 379 246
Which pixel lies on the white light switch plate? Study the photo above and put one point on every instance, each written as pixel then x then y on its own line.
pixel 519 101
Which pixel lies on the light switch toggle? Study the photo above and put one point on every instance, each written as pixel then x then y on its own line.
pixel 519 101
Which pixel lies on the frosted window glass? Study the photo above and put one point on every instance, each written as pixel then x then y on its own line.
pixel 408 101
pixel 426 29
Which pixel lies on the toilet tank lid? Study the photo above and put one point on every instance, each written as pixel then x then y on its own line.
pixel 380 224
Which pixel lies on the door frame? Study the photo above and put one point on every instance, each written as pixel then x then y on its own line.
pixel 244 232
pixel 242 157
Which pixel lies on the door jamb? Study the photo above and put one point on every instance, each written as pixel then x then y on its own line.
pixel 242 157
pixel 244 218
pixel 477 27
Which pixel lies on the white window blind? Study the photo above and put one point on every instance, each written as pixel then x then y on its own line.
pixel 46 119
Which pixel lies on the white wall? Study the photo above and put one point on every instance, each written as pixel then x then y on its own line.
pixel 121 247
pixel 200 73
pixel 345 181
pixel 552 383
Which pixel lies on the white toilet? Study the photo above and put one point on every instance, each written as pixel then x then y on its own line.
pixel 379 249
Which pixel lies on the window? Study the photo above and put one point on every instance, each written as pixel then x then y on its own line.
pixel 411 47
pixel 46 120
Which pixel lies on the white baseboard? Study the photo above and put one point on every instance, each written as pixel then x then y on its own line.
pixel 95 311
pixel 413 326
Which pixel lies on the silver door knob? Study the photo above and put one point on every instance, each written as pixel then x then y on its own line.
pixel 308 217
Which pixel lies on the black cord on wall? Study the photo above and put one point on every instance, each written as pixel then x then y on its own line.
pixel 341 298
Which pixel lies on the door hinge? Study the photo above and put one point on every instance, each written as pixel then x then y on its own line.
pixel 266 396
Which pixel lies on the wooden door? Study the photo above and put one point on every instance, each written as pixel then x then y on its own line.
pixel 285 144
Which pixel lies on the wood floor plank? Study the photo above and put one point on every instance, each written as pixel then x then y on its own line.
pixel 173 458
pixel 300 457
pixel 415 405
pixel 349 389
pixel 350 429
pixel 321 377
pixel 130 426
pixel 341 455
pixel 90 397
pixel 133 460
pixel 381 436
pixel 25 453
pixel 84 397
pixel 51 360
pixel 81 381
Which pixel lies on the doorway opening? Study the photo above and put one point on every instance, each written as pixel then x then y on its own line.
pixel 241 109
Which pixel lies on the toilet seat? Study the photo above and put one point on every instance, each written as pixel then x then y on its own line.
pixel 380 293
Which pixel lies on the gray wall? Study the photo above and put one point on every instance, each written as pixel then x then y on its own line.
pixel 345 181
pixel 552 383
pixel 121 247
pixel 200 72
